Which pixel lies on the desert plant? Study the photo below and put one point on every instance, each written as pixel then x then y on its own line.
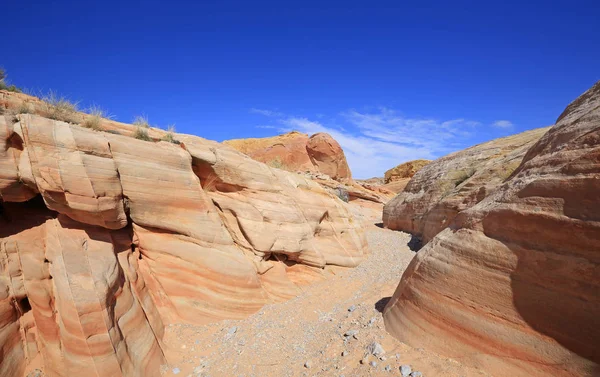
pixel 59 108
pixel 141 121
pixel 210 183
pixel 170 135
pixel 463 175
pixel 342 193
pixel 141 134
pixel 93 121
pixel 276 163
pixel 4 85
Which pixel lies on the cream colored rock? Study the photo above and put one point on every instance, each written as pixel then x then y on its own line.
pixel 12 187
pixel 127 236
pixel 512 286
pixel 74 171
pixel 445 187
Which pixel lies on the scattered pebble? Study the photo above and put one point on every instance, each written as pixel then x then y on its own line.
pixel 352 308
pixel 351 333
pixel 344 353
pixel 375 349
pixel 373 364
pixel 308 364
pixel 388 368
pixel 232 330
pixel 176 371
pixel 405 370
pixel 416 374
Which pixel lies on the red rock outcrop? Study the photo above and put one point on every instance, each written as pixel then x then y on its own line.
pixel 105 239
pixel 513 285
pixel 297 152
pixel 451 184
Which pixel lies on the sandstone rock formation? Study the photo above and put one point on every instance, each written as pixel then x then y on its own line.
pixel 513 284
pixel 397 178
pixel 296 151
pixel 105 239
pixel 451 184
pixel 404 170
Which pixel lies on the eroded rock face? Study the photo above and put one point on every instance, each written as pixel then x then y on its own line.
pixel 451 184
pixel 405 170
pixel 512 286
pixel 296 151
pixel 105 239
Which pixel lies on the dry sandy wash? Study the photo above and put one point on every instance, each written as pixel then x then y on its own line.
pixel 283 339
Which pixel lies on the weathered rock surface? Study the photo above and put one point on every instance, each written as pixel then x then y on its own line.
pixel 513 284
pixel 297 152
pixel 105 239
pixel 404 170
pixel 451 184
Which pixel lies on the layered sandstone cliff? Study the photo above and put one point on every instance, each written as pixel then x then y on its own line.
pixel 105 239
pixel 451 184
pixel 513 284
pixel 297 152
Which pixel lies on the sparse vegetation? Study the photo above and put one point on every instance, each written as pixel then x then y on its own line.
pixel 276 163
pixel 170 135
pixel 342 193
pixel 463 175
pixel 4 85
pixel 210 183
pixel 95 119
pixel 59 108
pixel 141 134
pixel 141 121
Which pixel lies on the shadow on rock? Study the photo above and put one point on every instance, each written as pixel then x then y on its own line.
pixel 415 244
pixel 380 305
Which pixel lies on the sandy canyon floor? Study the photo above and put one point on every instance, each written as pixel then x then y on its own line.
pixel 306 336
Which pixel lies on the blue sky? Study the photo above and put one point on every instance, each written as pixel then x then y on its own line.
pixel 392 81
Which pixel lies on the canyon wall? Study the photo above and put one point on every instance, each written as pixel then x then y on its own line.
pixel 445 187
pixel 512 285
pixel 105 239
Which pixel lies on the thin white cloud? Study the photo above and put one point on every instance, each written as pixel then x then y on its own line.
pixel 268 113
pixel 503 124
pixel 379 140
pixel 266 126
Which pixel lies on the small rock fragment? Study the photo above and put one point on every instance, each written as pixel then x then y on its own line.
pixel 344 353
pixel 352 308
pixel 373 364
pixel 308 364
pixel 364 360
pixel 351 333
pixel 375 349
pixel 388 368
pixel 175 370
pixel 405 370
pixel 232 330
pixel 416 374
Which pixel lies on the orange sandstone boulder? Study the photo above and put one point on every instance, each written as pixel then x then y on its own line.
pixel 512 285
pixel 297 152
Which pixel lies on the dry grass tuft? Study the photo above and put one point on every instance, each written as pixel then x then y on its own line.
pixel 94 121
pixel 141 134
pixel 141 121
pixel 170 135
pixel 59 108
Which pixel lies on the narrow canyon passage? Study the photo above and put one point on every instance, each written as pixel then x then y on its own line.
pixel 309 330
